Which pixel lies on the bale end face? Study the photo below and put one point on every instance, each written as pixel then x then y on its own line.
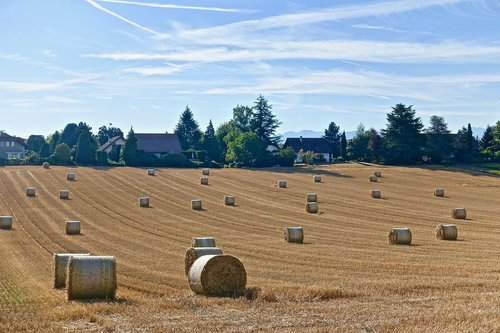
pixel 46 165
pixel 91 277
pixel 144 201
pixel 377 173
pixel 59 265
pixel 194 253
pixel 30 191
pixel 64 194
pixel 282 184
pixel 204 180
pixel 196 204
pixel 439 192
pixel 205 172
pixel 312 207
pixel 6 222
pixel 70 176
pixel 459 213
pixel 317 178
pixel 203 242
pixel 72 227
pixel 151 172
pixel 446 232
pixel 376 194
pixel 401 236
pixel 373 178
pixel 294 234
pixel 311 197
pixel 229 200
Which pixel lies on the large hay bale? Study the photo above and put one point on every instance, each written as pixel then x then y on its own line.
pixel 64 194
pixel 5 222
pixel 447 232
pixel 312 207
pixel 282 183
pixel 377 173
pixel 439 192
pixel 203 242
pixel 151 172
pixel 400 236
pixel 294 234
pixel 217 275
pixel 194 253
pixel 311 197
pixel 373 178
pixel 459 213
pixel 72 227
pixel 70 176
pixel 229 200
pixel 60 264
pixel 376 194
pixel 144 201
pixel 196 204
pixel 205 172
pixel 46 165
pixel 204 180
pixel 30 191
pixel 91 277
pixel 317 178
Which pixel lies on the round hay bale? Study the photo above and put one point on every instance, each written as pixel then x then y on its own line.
pixel 194 253
pixel 196 204
pixel 60 264
pixel 459 213
pixel 447 232
pixel 217 275
pixel 294 234
pixel 317 178
pixel 151 172
pixel 91 277
pixel 400 236
pixel 373 178
pixel 72 227
pixel 282 183
pixel 204 180
pixel 439 192
pixel 229 200
pixel 203 242
pixel 46 165
pixel 144 201
pixel 64 194
pixel 311 197
pixel 6 222
pixel 376 194
pixel 312 207
pixel 205 172
pixel 70 176
pixel 377 173
pixel 30 192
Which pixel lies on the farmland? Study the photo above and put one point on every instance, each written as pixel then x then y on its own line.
pixel 345 277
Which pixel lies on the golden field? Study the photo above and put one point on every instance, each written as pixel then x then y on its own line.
pixel 344 278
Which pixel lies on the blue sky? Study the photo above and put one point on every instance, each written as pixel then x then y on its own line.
pixel 141 62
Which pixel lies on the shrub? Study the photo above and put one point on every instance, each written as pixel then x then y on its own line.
pixel 201 155
pixel 102 158
pixel 62 155
pixel 176 161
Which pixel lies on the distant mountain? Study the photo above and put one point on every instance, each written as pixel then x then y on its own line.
pixel 311 134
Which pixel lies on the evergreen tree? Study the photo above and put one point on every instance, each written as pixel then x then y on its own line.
pixel 343 145
pixel 487 139
pixel 374 145
pixel 461 146
pixel 54 141
pixel 187 129
pixel 333 137
pixel 211 144
pixel 45 150
pixel 263 122
pixel 439 141
pixel 242 115
pixel 35 142
pixel 129 153
pixel 437 126
pixel 70 135
pixel 358 148
pixel 85 149
pixel 470 139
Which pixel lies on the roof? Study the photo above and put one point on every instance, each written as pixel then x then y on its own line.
pixel 317 145
pixel 161 143
pixel 6 137
pixel 109 143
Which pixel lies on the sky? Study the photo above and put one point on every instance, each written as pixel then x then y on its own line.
pixel 139 63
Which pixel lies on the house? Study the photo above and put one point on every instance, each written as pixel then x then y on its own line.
pixel 157 144
pixel 317 145
pixel 113 147
pixel 11 146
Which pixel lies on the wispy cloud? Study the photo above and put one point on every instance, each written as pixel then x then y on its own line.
pixel 150 71
pixel 49 54
pixel 61 99
pixel 31 86
pixel 172 6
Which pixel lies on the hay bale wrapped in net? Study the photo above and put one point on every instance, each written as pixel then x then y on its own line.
pixel 373 178
pixel 312 207
pixel 217 275
pixel 439 192
pixel 229 200
pixel 203 242
pixel 317 178
pixel 72 227
pixel 377 173
pixel 194 253
pixel 294 234
pixel 282 183
pixel 60 264
pixel 400 236
pixel 6 222
pixel 205 172
pixel 204 180
pixel 151 172
pixel 64 194
pixel 70 176
pixel 144 201
pixel 196 204
pixel 459 213
pixel 376 194
pixel 30 191
pixel 46 165
pixel 91 277
pixel 447 232
pixel 311 197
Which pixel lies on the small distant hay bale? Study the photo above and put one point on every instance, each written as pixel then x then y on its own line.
pixel 70 176
pixel 311 197
pixel 64 194
pixel 72 227
pixel 400 236
pixel 317 178
pixel 217 275
pixel 196 204
pixel 30 192
pixel 282 183
pixel 151 172
pixel 373 178
pixel 294 234
pixel 439 192
pixel 6 222
pixel 447 232
pixel 46 165
pixel 60 264
pixel 144 201
pixel 204 180
pixel 194 253
pixel 376 194
pixel 229 200
pixel 459 213
pixel 203 242
pixel 91 277
pixel 312 207
pixel 205 172
pixel 377 173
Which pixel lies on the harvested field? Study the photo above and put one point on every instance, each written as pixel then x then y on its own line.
pixel 345 278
